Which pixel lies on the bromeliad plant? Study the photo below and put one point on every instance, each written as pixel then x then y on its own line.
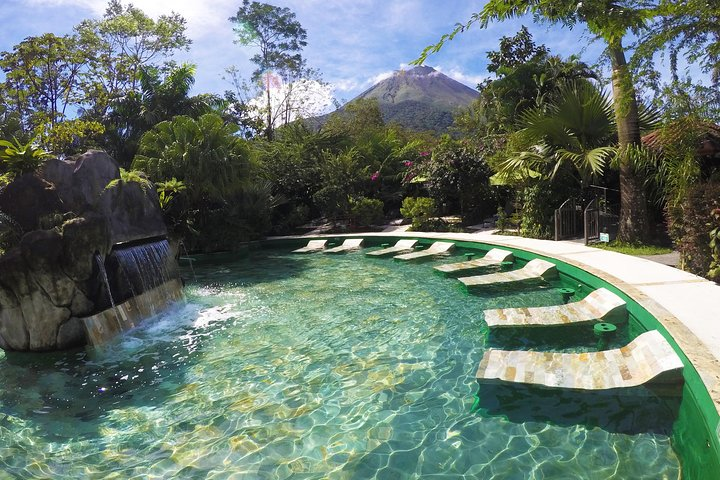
pixel 17 158
pixel 167 191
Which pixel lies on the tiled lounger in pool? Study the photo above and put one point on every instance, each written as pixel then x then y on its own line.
pixel 437 248
pixel 648 358
pixel 312 246
pixel 400 247
pixel 534 270
pixel 494 257
pixel 600 304
pixel 348 245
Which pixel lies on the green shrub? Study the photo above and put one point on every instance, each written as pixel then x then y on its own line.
pixel 502 220
pixel 536 216
pixel 420 210
pixel 366 211
pixel 690 224
pixel 714 271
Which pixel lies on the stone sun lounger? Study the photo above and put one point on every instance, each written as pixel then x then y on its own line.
pixel 437 248
pixel 599 305
pixel 312 246
pixel 535 269
pixel 347 245
pixel 649 358
pixel 399 247
pixel 494 257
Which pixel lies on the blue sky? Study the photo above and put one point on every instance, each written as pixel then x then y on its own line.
pixel 353 43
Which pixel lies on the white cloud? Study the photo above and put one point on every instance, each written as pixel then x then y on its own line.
pixel 203 17
pixel 455 73
pixel 290 101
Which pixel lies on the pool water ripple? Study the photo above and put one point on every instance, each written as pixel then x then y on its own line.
pixel 314 367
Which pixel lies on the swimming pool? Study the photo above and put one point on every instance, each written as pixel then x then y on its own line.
pixel 319 366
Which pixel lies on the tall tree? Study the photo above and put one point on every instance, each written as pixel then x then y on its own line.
pixel 690 27
pixel 42 78
pixel 279 38
pixel 119 46
pixel 612 21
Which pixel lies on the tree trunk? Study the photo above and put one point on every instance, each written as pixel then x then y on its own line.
pixel 268 118
pixel 633 203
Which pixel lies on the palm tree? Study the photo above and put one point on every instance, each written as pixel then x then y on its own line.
pixel 611 21
pixel 160 98
pixel 205 154
pixel 573 133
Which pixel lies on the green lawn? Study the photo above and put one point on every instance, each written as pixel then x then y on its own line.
pixel 633 248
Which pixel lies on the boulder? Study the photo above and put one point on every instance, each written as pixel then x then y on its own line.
pixel 133 212
pixel 71 334
pixel 83 238
pixel 28 199
pixel 42 251
pixel 13 334
pixel 81 180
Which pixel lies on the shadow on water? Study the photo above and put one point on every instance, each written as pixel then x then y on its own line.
pixel 629 411
pixel 571 338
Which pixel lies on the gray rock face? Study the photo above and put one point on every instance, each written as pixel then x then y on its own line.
pixel 51 279
pixel 132 212
pixel 82 185
pixel 80 180
pixel 28 199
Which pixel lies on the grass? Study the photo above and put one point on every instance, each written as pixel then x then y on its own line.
pixel 633 248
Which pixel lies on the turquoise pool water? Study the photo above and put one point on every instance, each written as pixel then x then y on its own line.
pixel 311 367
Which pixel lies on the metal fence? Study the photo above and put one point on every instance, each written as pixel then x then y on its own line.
pixel 566 220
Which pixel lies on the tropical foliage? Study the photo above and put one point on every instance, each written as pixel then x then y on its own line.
pixel 544 128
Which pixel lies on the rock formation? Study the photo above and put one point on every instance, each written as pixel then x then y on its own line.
pixel 68 218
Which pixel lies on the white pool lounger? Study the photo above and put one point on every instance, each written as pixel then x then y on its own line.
pixel 347 246
pixel 312 246
pixel 399 247
pixel 599 305
pixel 649 358
pixel 437 248
pixel 494 257
pixel 535 269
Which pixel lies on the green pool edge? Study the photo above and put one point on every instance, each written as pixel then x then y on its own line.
pixel 696 432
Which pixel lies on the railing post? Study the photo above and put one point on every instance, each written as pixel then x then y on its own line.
pixel 557 224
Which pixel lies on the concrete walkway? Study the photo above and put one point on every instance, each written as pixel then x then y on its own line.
pixel 688 306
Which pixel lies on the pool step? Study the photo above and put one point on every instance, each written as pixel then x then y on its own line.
pixel 437 248
pixel 312 246
pixel 599 305
pixel 348 245
pixel 649 358
pixel 494 257
pixel 535 269
pixel 400 247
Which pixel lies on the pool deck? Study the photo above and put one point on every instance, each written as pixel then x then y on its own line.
pixel 687 306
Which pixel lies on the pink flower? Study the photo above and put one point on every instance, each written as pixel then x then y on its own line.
pixel 424 153
pixel 375 176
pixel 408 163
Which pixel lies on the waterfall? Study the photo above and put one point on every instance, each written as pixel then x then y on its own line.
pixel 144 267
pixel 103 274
pixel 143 279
